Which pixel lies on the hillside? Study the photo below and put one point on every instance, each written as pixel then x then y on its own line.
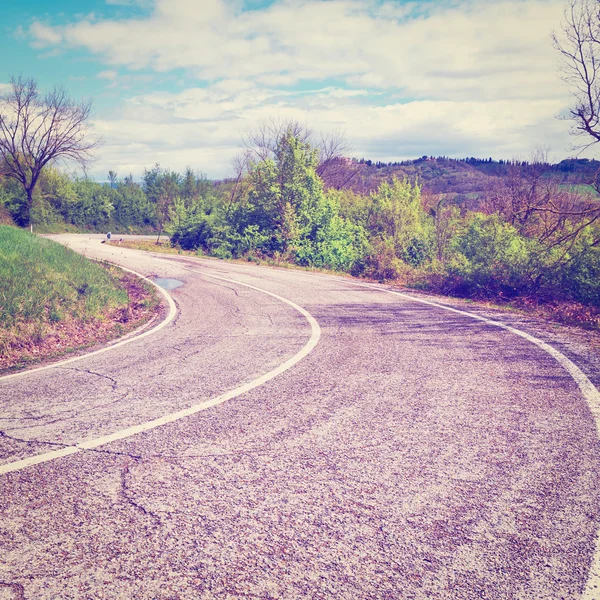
pixel 464 180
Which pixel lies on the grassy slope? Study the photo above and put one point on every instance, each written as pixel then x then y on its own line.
pixel 49 293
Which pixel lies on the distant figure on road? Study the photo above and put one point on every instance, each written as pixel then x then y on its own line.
pixel 108 235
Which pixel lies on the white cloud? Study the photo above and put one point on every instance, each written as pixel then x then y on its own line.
pixel 468 77
pixel 203 127
pixel 472 49
pixel 233 86
pixel 109 74
pixel 44 35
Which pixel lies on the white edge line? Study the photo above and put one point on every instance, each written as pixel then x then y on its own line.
pixel 163 323
pixel 130 431
pixel 588 389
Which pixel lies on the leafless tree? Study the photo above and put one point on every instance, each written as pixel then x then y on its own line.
pixel 239 184
pixel 261 143
pixel 579 46
pixel 36 129
pixel 539 207
pixel 447 219
pixel 332 148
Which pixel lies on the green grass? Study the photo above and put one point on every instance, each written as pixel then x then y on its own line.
pixel 580 188
pixel 43 282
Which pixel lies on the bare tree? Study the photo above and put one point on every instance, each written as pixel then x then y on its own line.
pixel 168 194
pixel 36 129
pixel 448 222
pixel 538 207
pixel 261 143
pixel 239 183
pixel 579 46
pixel 332 148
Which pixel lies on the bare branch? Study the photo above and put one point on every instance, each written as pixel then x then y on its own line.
pixel 578 45
pixel 36 129
pixel 332 149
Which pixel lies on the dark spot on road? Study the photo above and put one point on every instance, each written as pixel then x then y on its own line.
pixel 168 284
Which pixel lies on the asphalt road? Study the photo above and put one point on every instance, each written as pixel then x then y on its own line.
pixel 405 452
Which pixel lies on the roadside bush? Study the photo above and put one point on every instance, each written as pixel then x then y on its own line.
pixel 252 239
pixel 581 277
pixel 192 234
pixel 417 252
pixel 382 263
pixel 491 259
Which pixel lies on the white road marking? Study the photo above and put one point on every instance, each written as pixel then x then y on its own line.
pixel 588 389
pixel 130 431
pixel 135 338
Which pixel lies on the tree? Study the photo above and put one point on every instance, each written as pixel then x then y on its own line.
pixel 396 216
pixel 112 178
pixel 283 194
pixel 162 188
pixel 539 208
pixel 132 206
pixel 331 165
pixel 579 47
pixel 36 129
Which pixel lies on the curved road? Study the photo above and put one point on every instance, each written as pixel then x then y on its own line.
pixel 410 452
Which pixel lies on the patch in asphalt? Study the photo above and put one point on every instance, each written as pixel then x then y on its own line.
pixel 168 284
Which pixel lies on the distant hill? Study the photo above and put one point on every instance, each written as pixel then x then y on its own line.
pixel 463 180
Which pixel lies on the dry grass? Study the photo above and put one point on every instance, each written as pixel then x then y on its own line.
pixel 150 246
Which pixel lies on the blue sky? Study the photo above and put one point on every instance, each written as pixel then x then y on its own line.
pixel 179 82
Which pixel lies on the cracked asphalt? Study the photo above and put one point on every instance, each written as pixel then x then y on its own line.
pixel 414 453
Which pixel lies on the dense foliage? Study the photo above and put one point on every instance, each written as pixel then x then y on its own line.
pixel 529 234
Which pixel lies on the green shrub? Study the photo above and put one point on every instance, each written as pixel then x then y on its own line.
pixel 417 252
pixel 192 234
pixel 581 277
pixel 491 259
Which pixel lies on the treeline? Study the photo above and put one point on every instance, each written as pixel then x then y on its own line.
pixel 122 205
pixel 471 160
pixel 529 237
pixel 569 165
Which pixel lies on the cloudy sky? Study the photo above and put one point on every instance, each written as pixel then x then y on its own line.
pixel 178 82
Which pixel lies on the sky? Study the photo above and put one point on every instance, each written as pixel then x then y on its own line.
pixel 181 82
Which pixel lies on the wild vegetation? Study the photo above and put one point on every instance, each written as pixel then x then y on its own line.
pixel 478 228
pixel 526 234
pixel 481 228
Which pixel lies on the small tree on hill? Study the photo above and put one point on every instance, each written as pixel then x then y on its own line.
pixel 36 129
